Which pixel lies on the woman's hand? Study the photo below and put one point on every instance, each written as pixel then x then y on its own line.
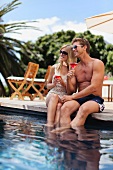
pixel 60 80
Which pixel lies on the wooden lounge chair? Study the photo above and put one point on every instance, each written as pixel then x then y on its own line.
pixel 21 85
pixel 42 83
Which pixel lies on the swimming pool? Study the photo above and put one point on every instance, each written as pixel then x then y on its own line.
pixel 26 145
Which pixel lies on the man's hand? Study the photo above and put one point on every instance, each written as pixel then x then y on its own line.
pixel 66 98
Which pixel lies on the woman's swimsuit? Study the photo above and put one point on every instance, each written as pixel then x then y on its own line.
pixel 58 89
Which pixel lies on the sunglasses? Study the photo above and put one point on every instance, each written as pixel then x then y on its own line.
pixel 63 52
pixel 75 46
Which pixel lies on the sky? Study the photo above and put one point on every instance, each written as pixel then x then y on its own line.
pixel 57 15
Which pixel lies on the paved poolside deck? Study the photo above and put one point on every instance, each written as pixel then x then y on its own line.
pixel 40 106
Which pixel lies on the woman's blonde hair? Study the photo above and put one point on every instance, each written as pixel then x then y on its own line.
pixel 71 56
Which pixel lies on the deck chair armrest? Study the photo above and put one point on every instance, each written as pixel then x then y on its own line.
pixel 39 80
pixel 15 78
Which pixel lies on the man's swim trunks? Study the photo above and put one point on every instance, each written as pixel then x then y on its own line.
pixel 97 99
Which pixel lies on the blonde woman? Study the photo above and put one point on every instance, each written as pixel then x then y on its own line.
pixel 57 82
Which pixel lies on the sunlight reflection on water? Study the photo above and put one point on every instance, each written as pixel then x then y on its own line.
pixel 26 144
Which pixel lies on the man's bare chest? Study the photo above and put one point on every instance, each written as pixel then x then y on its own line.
pixel 84 74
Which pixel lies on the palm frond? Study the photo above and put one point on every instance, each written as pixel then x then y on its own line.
pixel 13 27
pixel 10 62
pixel 9 7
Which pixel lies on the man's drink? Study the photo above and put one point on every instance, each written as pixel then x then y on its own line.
pixel 73 65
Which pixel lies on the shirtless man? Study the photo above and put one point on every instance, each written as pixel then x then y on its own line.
pixel 88 79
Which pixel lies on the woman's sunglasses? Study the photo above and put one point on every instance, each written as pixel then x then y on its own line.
pixel 63 52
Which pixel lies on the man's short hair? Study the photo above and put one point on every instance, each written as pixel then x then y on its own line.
pixel 83 42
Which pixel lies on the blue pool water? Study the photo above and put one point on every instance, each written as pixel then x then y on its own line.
pixel 26 145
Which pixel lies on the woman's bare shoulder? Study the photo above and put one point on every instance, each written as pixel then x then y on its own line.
pixel 55 65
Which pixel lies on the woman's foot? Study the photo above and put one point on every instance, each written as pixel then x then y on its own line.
pixel 49 125
pixel 48 128
pixel 60 129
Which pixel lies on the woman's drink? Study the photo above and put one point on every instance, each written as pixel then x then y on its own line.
pixel 57 76
pixel 73 65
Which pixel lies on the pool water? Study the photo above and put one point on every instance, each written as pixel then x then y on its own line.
pixel 25 144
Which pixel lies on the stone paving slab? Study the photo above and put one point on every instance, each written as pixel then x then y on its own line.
pixel 106 115
pixel 36 105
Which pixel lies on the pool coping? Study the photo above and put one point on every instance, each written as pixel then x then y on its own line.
pixel 32 107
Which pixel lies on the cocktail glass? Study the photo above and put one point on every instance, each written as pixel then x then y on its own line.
pixel 57 76
pixel 73 65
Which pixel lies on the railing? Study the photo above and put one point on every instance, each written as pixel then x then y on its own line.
pixel 107 91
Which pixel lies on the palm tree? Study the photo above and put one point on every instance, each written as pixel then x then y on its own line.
pixel 10 64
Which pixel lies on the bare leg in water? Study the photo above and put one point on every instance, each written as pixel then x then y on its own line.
pixel 65 112
pixel 54 104
pixel 51 103
pixel 83 112
pixel 57 117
